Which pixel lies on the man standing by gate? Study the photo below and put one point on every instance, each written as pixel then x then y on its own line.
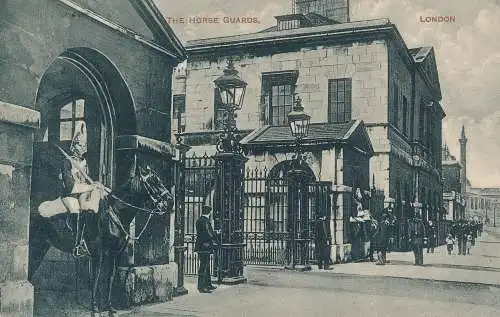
pixel 323 242
pixel 206 242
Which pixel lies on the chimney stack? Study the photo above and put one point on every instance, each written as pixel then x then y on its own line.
pixel 337 10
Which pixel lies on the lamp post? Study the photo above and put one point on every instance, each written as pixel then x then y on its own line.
pixel 228 210
pixel 298 121
pixel 179 247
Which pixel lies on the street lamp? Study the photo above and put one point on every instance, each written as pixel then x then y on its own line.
pixel 228 210
pixel 231 89
pixel 299 122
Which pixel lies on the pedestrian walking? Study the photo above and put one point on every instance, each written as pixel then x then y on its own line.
pixel 416 234
pixel 206 242
pixel 469 243
pixel 323 243
pixel 449 243
pixel 382 239
pixel 461 235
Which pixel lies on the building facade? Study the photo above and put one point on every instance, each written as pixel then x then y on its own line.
pixel 110 66
pixel 483 204
pixel 343 71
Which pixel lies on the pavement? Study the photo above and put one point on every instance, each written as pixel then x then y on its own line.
pixel 482 266
pixel 447 285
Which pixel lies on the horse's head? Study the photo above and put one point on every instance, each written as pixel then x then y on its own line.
pixel 146 187
pixel 158 194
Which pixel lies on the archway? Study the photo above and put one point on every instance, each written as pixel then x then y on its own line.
pixel 80 85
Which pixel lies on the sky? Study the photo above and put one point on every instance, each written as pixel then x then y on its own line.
pixel 467 53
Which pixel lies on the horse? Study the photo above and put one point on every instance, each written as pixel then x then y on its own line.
pixel 106 233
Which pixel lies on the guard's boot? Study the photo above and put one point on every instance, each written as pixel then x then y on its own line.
pixel 80 250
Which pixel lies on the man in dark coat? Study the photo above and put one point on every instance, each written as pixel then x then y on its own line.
pixel 323 242
pixel 431 237
pixel 416 234
pixel 382 239
pixel 461 235
pixel 206 242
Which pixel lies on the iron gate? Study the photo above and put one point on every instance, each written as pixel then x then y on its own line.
pixel 200 173
pixel 266 213
pixel 267 218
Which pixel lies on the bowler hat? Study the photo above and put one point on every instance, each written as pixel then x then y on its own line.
pixel 206 209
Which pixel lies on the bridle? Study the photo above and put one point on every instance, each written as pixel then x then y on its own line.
pixel 157 193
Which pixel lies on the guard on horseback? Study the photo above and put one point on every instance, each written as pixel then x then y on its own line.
pixel 80 195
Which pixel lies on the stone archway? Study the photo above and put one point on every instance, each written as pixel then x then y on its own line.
pixel 81 84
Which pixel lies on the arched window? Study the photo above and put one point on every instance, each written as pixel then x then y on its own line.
pixel 71 116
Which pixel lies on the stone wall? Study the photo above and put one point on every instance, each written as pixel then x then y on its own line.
pixel 17 126
pixel 33 33
pixel 31 42
pixel 365 62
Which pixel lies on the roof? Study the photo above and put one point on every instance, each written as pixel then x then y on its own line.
pixel 353 132
pixel 140 18
pixel 285 35
pixel 420 53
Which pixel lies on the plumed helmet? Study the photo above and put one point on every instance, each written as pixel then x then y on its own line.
pixel 79 142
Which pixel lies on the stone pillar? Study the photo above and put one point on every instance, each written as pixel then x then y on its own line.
pixel 147 276
pixel 17 127
pixel 228 217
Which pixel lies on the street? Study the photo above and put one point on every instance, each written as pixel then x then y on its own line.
pixel 347 292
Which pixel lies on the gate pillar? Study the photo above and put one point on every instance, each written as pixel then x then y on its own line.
pixel 298 239
pixel 180 212
pixel 228 217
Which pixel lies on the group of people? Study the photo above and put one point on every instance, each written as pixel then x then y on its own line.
pixel 463 233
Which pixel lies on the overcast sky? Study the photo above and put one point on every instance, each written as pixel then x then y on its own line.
pixel 468 58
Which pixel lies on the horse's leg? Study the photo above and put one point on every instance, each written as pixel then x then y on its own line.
pixel 38 244
pixel 96 273
pixel 111 279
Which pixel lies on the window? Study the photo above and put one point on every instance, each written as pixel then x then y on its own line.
pixel 70 118
pixel 278 95
pixel 405 116
pixel 395 105
pixel 179 112
pixel 339 100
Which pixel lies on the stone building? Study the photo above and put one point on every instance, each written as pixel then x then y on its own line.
pixel 343 71
pixel 62 62
pixel 483 204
